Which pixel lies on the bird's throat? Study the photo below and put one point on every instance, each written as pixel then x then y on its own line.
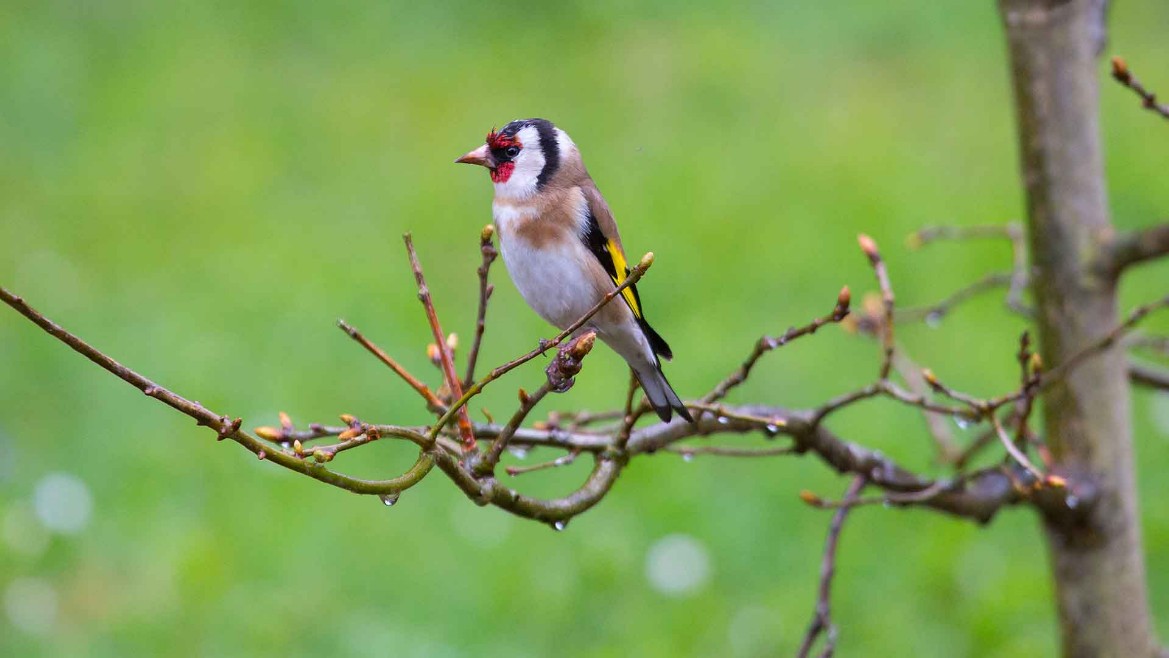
pixel 503 172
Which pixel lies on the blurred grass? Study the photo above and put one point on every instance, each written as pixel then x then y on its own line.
pixel 201 189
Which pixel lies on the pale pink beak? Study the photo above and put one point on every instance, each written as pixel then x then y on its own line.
pixel 480 156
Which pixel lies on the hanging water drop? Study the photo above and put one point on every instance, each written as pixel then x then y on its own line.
pixel 559 526
pixel 773 429
pixel 933 319
pixel 389 499
pixel 962 422
pixel 519 452
pixel 723 420
pixel 687 456
pixel 1072 502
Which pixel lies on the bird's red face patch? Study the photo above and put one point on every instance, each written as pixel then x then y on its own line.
pixel 502 172
pixel 499 143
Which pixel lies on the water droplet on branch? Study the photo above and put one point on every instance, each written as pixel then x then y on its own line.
pixel 389 499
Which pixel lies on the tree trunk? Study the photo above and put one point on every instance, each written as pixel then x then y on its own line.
pixel 1097 561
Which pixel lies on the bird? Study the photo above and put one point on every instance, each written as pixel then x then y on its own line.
pixel 561 247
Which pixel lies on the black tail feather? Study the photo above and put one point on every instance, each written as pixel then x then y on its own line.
pixel 659 344
pixel 662 396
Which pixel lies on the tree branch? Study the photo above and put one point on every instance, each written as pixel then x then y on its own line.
pixel 487 249
pixel 1148 376
pixel 822 617
pixel 432 401
pixel 1122 74
pixel 1017 279
pixel 767 343
pixel 977 495
pixel 446 359
pixel 1134 247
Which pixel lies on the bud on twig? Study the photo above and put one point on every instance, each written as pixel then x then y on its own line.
pixel 567 362
pixel 646 260
pixel 1120 70
pixel 869 247
pixel 433 353
pixel 582 346
pixel 486 234
pixel 452 341
pixel 844 298
pixel 269 433
pixel 349 434
pixel 285 421
pixel 811 498
pixel 1036 363
pixel 348 419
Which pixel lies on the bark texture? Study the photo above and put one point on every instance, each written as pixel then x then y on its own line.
pixel 1098 563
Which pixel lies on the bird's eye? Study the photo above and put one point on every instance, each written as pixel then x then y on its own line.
pixel 512 151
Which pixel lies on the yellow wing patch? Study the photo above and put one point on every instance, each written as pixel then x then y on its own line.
pixel 619 269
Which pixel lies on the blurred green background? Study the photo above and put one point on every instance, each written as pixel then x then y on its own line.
pixel 202 188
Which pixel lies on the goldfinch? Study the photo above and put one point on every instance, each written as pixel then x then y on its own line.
pixel 562 250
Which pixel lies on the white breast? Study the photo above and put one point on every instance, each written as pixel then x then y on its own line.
pixel 554 278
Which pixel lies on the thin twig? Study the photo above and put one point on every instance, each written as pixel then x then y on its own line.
pixel 939 427
pixel 1122 74
pixel 1029 372
pixel 1014 450
pixel 985 438
pixel 1012 231
pixel 770 424
pixel 432 402
pixel 224 426
pixel 870 248
pixel 935 312
pixel 528 401
pixel 1148 376
pixel 1152 343
pixel 581 419
pixel 688 452
pixel 444 350
pixel 767 344
pixel 1106 341
pixel 1020 272
pixel 563 460
pixel 822 617
pixel 888 498
pixel 487 249
pixel 630 417
pixel 929 234
pixel 975 405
